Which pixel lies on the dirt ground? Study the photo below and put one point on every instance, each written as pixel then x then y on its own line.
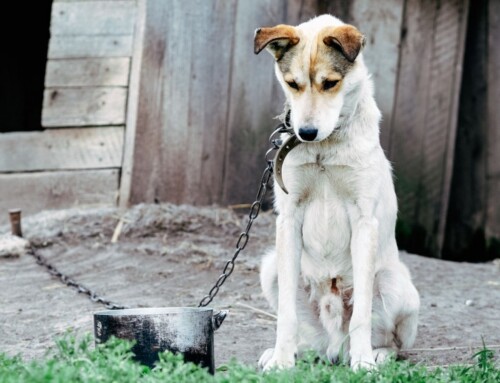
pixel 170 255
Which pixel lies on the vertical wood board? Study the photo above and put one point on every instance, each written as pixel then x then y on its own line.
pixel 183 101
pixel 408 131
pixel 423 136
pixel 493 139
pixel 255 98
pixel 129 152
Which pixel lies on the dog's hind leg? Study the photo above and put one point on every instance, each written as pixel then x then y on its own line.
pixel 395 311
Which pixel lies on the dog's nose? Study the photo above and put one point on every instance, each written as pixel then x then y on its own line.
pixel 308 133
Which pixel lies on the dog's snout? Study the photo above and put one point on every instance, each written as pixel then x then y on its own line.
pixel 308 133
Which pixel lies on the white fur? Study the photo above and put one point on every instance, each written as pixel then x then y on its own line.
pixel 338 221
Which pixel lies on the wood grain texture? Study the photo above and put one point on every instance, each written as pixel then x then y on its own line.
pixel 408 130
pixel 93 18
pixel 63 47
pixel 422 142
pixel 83 106
pixel 183 102
pixel 87 72
pixel 255 98
pixel 74 148
pixel 466 214
pixel 493 139
pixel 34 192
pixel 132 107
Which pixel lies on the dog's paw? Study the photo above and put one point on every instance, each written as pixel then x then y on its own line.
pixel 270 360
pixel 265 357
pixel 364 360
pixel 382 354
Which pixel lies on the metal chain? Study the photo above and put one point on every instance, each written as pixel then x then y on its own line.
pixel 93 296
pixel 228 268
pixel 252 215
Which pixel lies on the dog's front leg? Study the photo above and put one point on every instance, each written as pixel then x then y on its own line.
pixel 364 243
pixel 289 249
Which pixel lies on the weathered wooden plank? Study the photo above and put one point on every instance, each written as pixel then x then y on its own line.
pixel 423 137
pixel 87 72
pixel 254 99
pixel 93 18
pixel 407 133
pixel 466 215
pixel 132 107
pixel 61 47
pixel 74 148
pixel 34 192
pixel 493 140
pixel 183 101
pixel 459 11
pixel 83 106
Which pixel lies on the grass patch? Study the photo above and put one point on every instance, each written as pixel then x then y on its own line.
pixel 78 361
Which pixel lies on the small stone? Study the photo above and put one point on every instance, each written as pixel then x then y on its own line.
pixel 469 302
pixel 12 246
pixel 434 305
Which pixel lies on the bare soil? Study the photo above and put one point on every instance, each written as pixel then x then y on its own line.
pixel 171 255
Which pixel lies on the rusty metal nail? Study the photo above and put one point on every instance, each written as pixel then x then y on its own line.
pixel 15 222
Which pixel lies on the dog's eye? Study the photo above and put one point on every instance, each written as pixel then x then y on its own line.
pixel 329 84
pixel 293 84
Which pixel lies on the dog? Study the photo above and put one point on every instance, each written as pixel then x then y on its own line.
pixel 334 278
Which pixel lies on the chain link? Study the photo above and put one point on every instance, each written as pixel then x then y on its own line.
pixel 253 213
pixel 81 289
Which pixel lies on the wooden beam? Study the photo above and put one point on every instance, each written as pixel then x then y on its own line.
pixel 132 107
pixel 34 192
pixel 61 47
pixel 83 106
pixel 93 18
pixel 87 72
pixel 74 148
pixel 493 138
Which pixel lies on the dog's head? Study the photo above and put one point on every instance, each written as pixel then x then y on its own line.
pixel 315 62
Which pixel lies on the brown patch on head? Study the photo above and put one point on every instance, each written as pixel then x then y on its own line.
pixel 346 38
pixel 277 39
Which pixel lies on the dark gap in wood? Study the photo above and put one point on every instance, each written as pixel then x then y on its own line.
pixel 22 68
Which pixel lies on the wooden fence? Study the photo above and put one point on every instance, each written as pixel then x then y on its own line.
pixel 157 100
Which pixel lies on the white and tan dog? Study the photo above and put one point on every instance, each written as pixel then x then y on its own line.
pixel 335 278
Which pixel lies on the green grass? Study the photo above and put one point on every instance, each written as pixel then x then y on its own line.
pixel 77 361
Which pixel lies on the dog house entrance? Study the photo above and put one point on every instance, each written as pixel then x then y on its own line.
pixel 22 68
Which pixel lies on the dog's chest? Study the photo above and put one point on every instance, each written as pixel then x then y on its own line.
pixel 325 192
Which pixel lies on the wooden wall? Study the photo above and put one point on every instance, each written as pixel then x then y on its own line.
pixel 198 106
pixel 77 159
pixel 474 211
pixel 206 103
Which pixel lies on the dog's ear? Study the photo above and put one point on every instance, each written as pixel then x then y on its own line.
pixel 346 39
pixel 277 39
